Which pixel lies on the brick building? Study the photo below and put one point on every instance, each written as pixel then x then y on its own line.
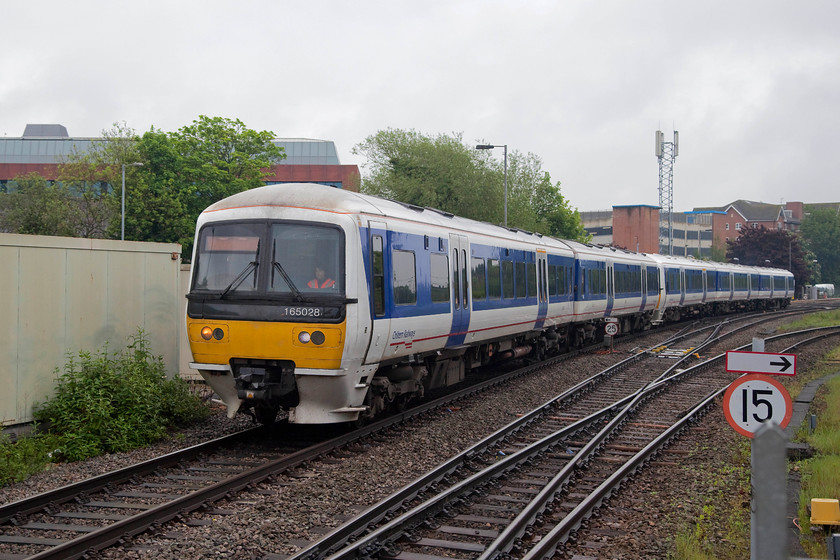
pixel 694 232
pixel 43 147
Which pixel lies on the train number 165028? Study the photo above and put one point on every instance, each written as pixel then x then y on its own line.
pixel 303 312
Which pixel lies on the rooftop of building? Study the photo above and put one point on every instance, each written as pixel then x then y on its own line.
pixel 51 144
pixel 750 210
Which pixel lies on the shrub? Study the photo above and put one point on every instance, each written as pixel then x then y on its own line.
pixel 106 403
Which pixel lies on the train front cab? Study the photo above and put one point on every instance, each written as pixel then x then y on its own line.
pixel 266 331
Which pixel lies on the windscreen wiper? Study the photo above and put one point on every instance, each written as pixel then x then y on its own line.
pixel 239 279
pixel 284 274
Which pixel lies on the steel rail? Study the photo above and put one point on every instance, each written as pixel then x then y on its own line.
pixel 65 493
pixel 546 547
pixel 106 536
pixel 380 539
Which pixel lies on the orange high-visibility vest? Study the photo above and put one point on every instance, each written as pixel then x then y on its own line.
pixel 328 283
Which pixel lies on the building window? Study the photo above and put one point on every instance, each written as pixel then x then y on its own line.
pixel 727 227
pixel 738 226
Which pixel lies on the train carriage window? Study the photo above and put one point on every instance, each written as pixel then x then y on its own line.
pixel 440 277
pixel 520 279
pixel 507 279
pixel 566 279
pixel 552 279
pixel 378 276
pixel 723 281
pixel 479 278
pixel 405 277
pixel 494 285
pixel 532 280
pixel 597 281
pixel 652 281
pixel 672 281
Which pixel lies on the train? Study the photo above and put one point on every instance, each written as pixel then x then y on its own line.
pixel 335 306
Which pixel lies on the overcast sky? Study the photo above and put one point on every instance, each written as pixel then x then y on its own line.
pixel 753 87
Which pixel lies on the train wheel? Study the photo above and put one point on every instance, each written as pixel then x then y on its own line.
pixel 266 414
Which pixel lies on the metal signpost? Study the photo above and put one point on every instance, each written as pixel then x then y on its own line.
pixel 759 407
pixel 611 329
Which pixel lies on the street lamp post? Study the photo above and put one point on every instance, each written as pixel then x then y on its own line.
pixel 122 205
pixel 490 147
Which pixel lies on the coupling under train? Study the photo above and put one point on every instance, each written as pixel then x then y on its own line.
pixel 335 306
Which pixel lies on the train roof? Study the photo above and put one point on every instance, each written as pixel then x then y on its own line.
pixel 331 199
pixel 688 261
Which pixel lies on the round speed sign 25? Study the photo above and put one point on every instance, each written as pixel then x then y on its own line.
pixel 753 399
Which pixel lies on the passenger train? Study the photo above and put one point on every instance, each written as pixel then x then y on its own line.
pixel 335 306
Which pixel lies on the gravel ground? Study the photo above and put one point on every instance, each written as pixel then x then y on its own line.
pixel 281 517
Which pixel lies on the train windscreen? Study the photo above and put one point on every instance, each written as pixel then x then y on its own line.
pixel 241 258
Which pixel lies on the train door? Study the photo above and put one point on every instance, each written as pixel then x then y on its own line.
pixel 705 289
pixel 542 288
pixel 731 285
pixel 459 265
pixel 379 263
pixel 644 278
pixel 610 289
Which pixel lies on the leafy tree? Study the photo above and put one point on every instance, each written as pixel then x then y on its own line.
pixel 438 172
pixel 536 204
pixel 94 177
pixel 38 207
pixel 218 157
pixel 783 249
pixel 821 231
pixel 444 173
pixel 718 252
pixel 183 172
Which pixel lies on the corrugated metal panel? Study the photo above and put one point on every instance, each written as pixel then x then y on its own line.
pixel 63 295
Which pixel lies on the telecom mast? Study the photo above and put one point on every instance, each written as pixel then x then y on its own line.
pixel 667 152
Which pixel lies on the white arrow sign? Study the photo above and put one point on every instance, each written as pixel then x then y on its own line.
pixel 761 362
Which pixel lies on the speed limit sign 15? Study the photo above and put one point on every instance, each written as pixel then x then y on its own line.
pixel 753 399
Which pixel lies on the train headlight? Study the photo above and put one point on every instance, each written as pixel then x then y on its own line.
pixel 318 338
pixel 209 332
pixel 304 337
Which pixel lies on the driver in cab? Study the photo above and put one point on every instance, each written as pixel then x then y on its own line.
pixel 321 280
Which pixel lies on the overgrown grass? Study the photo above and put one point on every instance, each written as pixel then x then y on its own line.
pixel 689 546
pixel 721 528
pixel 104 403
pixel 20 460
pixel 821 474
pixel 813 320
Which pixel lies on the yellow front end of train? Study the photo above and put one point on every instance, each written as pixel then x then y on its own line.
pixel 308 345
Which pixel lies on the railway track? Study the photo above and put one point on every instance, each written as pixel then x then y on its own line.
pixel 92 515
pixel 525 490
